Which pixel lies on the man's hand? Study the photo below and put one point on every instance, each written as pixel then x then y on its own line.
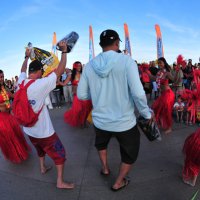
pixel 63 46
pixel 152 119
pixel 28 53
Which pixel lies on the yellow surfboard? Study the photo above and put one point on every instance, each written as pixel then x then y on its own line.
pixel 49 60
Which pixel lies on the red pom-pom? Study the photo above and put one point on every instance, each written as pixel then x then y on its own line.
pixel 180 61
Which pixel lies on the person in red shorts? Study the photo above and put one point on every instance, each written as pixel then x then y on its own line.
pixel 42 134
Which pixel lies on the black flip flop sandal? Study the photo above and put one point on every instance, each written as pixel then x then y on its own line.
pixel 125 183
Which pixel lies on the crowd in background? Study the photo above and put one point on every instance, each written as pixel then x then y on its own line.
pixel 182 81
pixel 182 78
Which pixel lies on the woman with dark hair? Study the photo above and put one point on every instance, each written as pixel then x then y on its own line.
pixel 145 78
pixel 76 74
pixel 163 106
pixel 77 115
pixel 12 142
pixel 10 86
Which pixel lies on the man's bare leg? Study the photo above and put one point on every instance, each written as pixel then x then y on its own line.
pixel 43 168
pixel 123 172
pixel 60 182
pixel 104 161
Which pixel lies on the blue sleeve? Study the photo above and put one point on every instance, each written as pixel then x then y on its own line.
pixel 136 89
pixel 83 87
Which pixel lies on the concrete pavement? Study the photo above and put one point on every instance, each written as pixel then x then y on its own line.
pixel 156 174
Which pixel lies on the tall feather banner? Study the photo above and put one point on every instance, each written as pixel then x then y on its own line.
pixel 91 44
pixel 127 40
pixel 160 52
pixel 54 42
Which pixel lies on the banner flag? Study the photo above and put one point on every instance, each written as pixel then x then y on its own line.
pixel 91 44
pixel 54 42
pixel 127 40
pixel 160 52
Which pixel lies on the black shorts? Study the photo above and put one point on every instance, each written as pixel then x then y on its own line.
pixel 129 142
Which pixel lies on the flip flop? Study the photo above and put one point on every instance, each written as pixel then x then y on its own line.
pixel 104 174
pixel 47 169
pixel 125 183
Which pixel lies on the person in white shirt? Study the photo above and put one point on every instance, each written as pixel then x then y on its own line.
pixel 67 86
pixel 179 108
pixel 15 83
pixel 42 134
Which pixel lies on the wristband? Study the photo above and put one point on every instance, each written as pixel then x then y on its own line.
pixel 25 57
pixel 64 52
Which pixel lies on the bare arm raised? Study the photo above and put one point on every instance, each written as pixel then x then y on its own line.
pixel 25 63
pixel 61 67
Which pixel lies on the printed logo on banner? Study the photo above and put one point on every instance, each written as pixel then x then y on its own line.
pixel 127 45
pixel 159 47
pixel 90 51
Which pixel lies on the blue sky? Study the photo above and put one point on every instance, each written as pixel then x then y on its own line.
pixel 36 20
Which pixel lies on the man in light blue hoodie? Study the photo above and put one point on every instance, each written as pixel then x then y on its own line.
pixel 112 82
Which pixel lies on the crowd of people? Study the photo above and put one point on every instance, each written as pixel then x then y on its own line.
pixel 108 88
pixel 183 78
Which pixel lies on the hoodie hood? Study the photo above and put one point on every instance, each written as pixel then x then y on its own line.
pixel 104 63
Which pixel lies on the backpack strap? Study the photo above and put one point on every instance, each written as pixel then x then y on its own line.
pixel 40 110
pixel 22 86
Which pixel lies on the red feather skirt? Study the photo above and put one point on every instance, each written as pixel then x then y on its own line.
pixel 191 150
pixel 78 113
pixel 12 141
pixel 163 107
